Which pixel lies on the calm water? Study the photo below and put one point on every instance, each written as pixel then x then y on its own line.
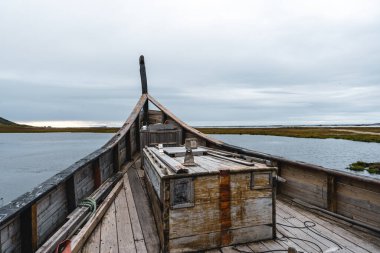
pixel 330 153
pixel 27 160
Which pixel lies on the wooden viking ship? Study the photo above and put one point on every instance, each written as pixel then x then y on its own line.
pixel 159 185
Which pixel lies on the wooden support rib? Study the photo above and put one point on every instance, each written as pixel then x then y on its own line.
pixel 331 193
pixel 128 150
pixel 29 235
pixel 34 227
pixel 97 173
pixel 71 194
pixel 116 161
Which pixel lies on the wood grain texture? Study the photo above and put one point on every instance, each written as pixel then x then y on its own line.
pixel 109 240
pixel 145 215
pixel 123 224
pixel 93 243
pixel 225 207
pixel 10 236
pixel 79 240
pixel 309 186
pixel 157 209
pixel 358 203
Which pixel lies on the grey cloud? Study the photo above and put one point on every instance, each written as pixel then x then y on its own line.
pixel 251 62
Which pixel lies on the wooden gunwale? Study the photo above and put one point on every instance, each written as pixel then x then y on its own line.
pixel 38 192
pixel 46 198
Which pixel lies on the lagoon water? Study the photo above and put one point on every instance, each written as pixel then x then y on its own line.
pixel 329 153
pixel 28 159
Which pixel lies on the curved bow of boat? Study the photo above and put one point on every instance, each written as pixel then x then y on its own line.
pixel 38 220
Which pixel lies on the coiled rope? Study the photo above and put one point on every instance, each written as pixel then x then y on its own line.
pixel 91 204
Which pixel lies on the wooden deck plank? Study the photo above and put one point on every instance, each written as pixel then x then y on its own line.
pixel 333 230
pixel 236 249
pixel 93 243
pixel 133 225
pixel 287 219
pixel 145 214
pixel 141 246
pixel 213 251
pixel 297 237
pixel 136 228
pixel 273 245
pixel 257 247
pixel 123 223
pixel 108 234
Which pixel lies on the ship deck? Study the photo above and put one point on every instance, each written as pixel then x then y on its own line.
pixel 128 226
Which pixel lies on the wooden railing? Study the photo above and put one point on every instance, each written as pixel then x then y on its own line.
pixel 28 221
pixel 354 197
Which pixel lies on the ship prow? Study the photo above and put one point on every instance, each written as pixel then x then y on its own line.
pixel 160 185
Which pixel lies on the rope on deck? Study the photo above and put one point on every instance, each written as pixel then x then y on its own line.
pixel 306 225
pixel 91 204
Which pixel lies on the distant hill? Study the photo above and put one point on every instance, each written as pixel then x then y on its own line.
pixel 5 122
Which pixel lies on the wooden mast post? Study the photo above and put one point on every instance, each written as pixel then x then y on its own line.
pixel 144 86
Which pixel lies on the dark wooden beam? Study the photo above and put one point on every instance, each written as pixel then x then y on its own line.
pixel 97 173
pixel 26 228
pixel 71 194
pixel 331 193
pixel 144 83
pixel 116 162
pixel 144 87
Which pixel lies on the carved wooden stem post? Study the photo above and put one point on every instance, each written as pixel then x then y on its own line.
pixel 144 86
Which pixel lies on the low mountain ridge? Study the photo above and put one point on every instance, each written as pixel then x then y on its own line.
pixel 5 122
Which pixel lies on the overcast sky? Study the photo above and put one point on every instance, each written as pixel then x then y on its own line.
pixel 210 62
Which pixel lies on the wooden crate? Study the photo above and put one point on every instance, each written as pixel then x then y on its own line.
pixel 166 134
pixel 219 202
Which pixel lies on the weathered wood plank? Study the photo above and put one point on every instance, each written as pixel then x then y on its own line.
pixel 93 243
pixel 204 217
pixel 333 230
pixel 124 228
pixel 145 214
pixel 305 234
pixel 251 234
pixel 136 228
pixel 108 234
pixel 157 208
pixel 78 241
pixel 331 193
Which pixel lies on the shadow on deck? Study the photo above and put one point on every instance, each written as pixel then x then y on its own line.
pixel 128 226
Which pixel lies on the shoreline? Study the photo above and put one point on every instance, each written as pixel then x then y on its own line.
pixel 362 134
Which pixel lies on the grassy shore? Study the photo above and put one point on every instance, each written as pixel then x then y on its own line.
pixel 367 134
pixel 364 134
pixel 29 129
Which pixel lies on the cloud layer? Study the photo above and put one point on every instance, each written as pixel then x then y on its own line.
pixel 210 62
